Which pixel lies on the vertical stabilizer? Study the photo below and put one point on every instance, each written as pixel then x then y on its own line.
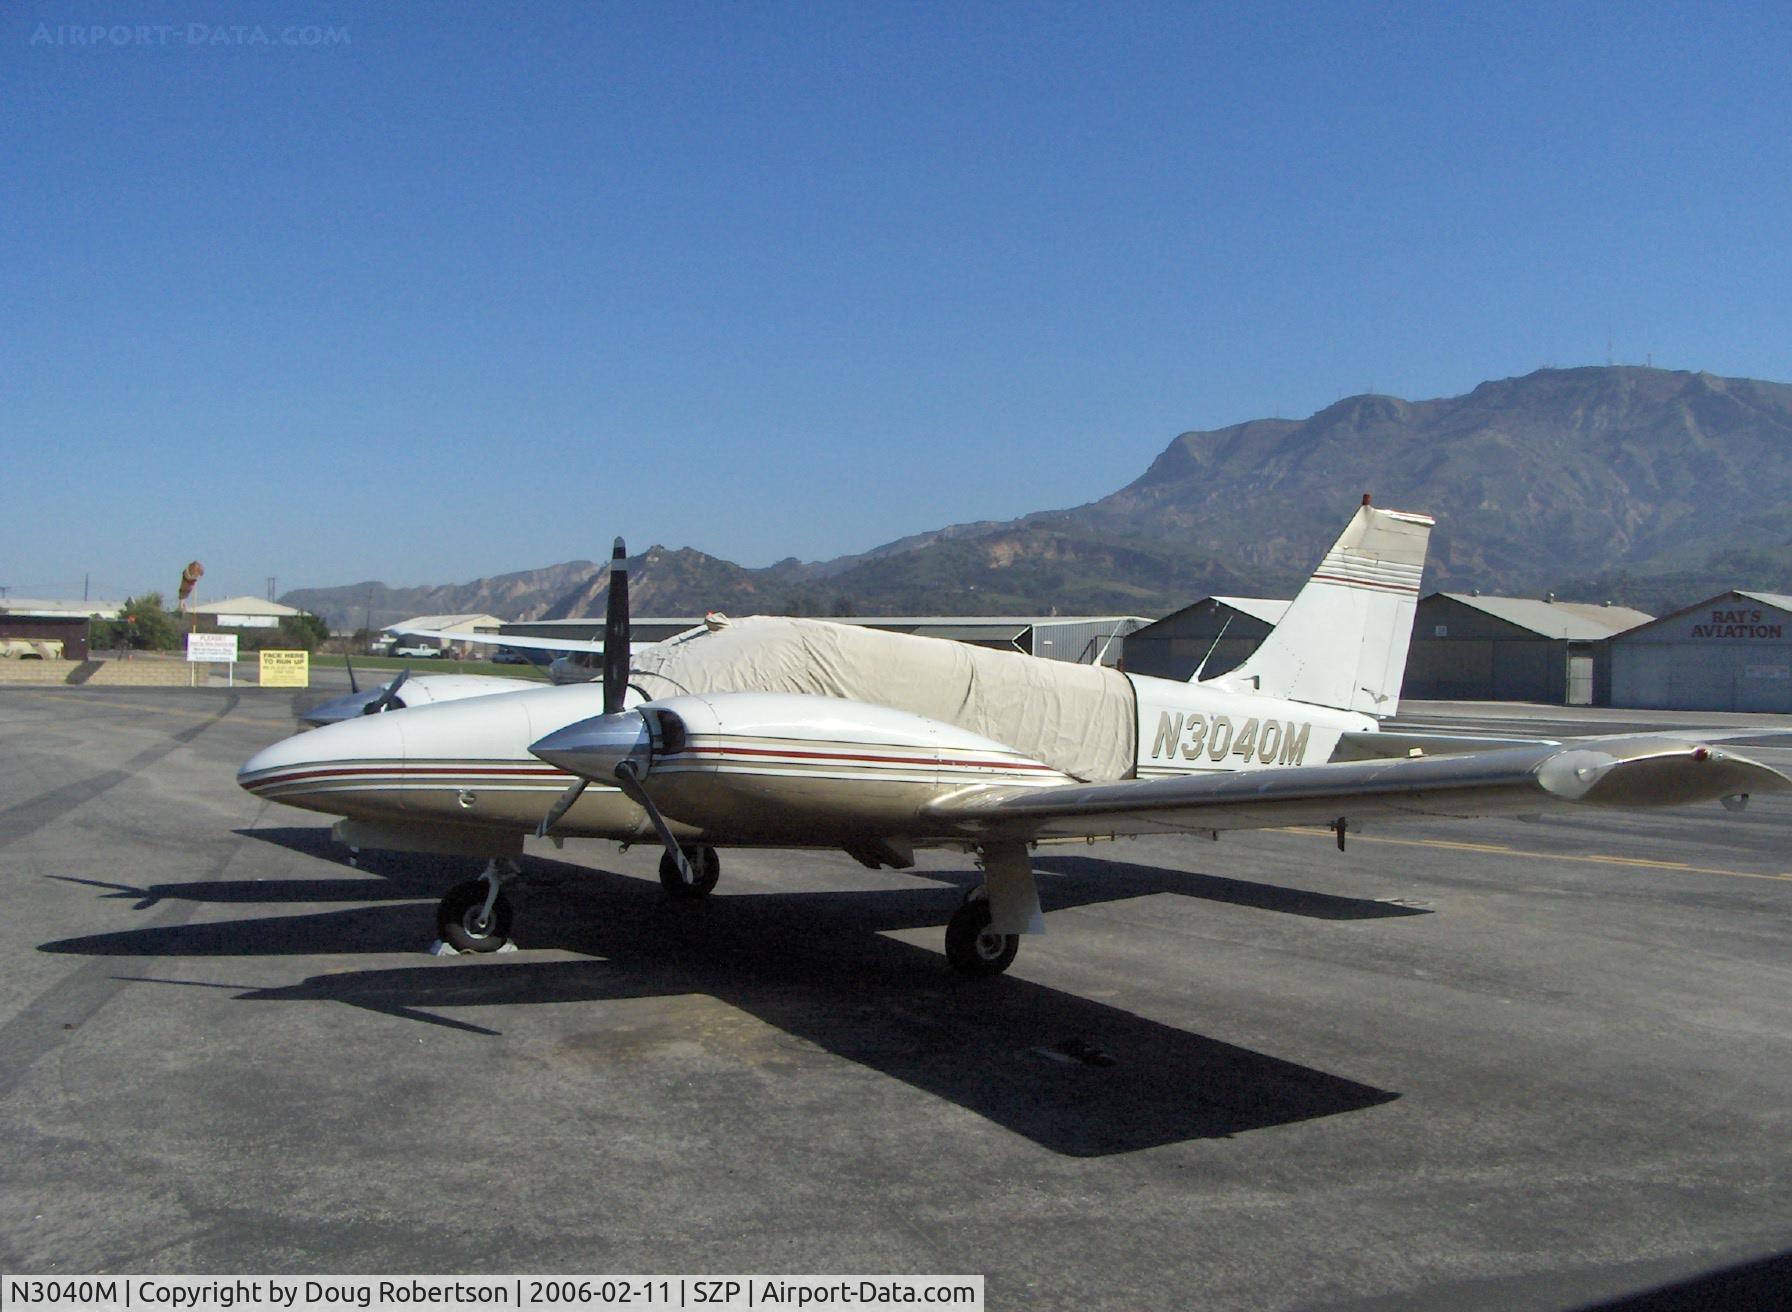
pixel 1343 640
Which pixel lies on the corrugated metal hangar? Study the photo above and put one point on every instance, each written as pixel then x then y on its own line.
pixel 1512 649
pixel 1220 631
pixel 1731 652
pixel 1464 647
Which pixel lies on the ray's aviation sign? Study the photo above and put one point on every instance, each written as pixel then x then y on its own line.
pixel 1738 623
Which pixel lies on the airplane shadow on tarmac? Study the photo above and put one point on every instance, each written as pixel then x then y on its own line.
pixel 1074 1075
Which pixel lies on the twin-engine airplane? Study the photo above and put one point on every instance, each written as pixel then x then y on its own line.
pixel 770 732
pixel 575 665
pixel 404 691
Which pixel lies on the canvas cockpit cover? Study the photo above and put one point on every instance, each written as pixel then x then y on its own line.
pixel 1075 718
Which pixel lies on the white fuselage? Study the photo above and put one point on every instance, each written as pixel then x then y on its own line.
pixel 746 768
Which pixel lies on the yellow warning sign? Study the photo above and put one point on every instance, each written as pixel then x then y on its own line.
pixel 286 669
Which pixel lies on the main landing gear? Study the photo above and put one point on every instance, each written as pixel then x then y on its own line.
pixel 476 916
pixel 983 935
pixel 972 947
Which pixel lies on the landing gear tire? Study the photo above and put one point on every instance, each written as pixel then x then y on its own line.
pixel 461 925
pixel 972 947
pixel 705 864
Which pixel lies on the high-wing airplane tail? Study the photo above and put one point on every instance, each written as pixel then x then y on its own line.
pixel 1342 642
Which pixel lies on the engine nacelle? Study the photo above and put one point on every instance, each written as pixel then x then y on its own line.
pixel 783 768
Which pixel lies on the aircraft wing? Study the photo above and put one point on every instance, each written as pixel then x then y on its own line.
pixel 1629 771
pixel 520 643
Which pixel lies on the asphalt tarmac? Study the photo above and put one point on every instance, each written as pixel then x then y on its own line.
pixel 1512 1065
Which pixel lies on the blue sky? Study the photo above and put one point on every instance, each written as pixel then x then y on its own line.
pixel 333 292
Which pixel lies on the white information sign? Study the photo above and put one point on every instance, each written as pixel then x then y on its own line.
pixel 211 646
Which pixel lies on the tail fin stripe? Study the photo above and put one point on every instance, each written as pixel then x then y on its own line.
pixel 1387 574
pixel 1409 588
pixel 1356 564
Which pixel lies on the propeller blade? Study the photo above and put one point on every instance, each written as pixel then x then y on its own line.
pixel 388 700
pixel 628 778
pixel 561 806
pixel 616 632
pixel 353 684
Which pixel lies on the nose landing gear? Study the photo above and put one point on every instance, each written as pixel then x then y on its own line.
pixel 705 864
pixel 475 916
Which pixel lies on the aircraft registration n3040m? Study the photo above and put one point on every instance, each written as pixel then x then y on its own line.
pixel 770 732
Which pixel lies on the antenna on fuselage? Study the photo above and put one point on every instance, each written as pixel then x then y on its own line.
pixel 1217 638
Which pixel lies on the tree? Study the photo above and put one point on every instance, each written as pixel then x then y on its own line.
pixel 301 632
pixel 142 624
pixel 305 630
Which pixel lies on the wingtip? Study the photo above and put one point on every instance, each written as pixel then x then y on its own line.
pixel 1664 773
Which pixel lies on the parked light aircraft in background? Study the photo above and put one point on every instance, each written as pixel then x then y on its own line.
pixel 404 690
pixel 771 732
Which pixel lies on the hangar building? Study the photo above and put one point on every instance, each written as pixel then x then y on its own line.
pixel 244 612
pixel 1227 627
pixel 1731 652
pixel 70 623
pixel 1504 649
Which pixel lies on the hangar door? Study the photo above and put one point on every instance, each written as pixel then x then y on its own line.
pixel 1763 684
pixel 1670 677
pixel 1580 679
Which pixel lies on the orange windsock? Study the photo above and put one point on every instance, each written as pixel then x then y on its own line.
pixel 189 576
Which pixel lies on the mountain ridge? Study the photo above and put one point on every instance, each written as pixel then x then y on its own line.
pixel 1640 483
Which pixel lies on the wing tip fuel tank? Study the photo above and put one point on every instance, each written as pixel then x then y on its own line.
pixel 1645 773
